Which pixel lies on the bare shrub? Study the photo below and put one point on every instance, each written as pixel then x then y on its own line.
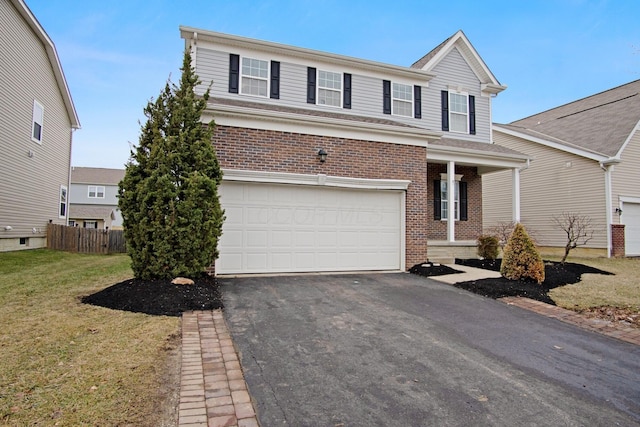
pixel 578 228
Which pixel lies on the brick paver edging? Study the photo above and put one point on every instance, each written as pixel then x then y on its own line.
pixel 213 392
pixel 612 329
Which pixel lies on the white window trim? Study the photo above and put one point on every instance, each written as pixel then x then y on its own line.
pixel 411 109
pixel 341 91
pixel 267 79
pixel 96 187
pixel 457 179
pixel 36 104
pixel 65 202
pixel 451 112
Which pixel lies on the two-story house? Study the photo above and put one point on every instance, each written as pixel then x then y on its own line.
pixel 37 119
pixel 334 163
pixel 93 198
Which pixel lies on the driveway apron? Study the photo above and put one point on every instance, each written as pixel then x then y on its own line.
pixel 401 350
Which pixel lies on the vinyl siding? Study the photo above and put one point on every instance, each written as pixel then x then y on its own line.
pixel 454 71
pixel 549 187
pixel 30 185
pixel 213 66
pixel 626 175
pixel 79 193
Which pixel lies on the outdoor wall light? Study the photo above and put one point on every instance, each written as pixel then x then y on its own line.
pixel 619 211
pixel 322 155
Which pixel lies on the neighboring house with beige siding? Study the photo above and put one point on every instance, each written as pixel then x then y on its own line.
pixel 93 198
pixel 37 119
pixel 335 163
pixel 585 160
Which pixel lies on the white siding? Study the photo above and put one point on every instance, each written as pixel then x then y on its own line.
pixel 454 71
pixel 30 174
pixel 555 182
pixel 625 178
pixel 213 66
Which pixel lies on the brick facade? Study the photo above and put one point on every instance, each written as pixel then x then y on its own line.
pixel 465 230
pixel 276 151
pixel 617 240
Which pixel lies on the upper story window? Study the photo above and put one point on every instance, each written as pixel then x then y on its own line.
pixel 401 99
pixel 38 121
pixel 96 192
pixel 402 96
pixel 458 112
pixel 328 88
pixel 63 202
pixel 256 77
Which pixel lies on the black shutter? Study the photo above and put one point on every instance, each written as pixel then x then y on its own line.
pixel 234 73
pixel 275 80
pixel 346 103
pixel 472 114
pixel 463 201
pixel 444 95
pixel 417 102
pixel 386 96
pixel 437 201
pixel 311 85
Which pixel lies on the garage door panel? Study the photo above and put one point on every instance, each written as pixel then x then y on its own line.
pixel 631 219
pixel 293 228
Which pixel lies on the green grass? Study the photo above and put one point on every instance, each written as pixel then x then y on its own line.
pixel 67 363
pixel 621 290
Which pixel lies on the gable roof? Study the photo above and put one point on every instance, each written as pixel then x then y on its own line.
pixel 460 42
pixel 100 176
pixel 600 123
pixel 52 54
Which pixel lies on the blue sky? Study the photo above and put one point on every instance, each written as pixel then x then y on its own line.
pixel 118 54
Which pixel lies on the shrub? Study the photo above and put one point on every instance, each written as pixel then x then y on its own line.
pixel 169 196
pixel 488 247
pixel 521 260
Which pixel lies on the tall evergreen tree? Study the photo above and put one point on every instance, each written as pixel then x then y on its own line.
pixel 169 195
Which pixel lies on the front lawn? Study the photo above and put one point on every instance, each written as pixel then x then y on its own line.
pixel 68 363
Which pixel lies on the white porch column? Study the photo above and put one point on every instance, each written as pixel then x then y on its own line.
pixel 515 196
pixel 451 227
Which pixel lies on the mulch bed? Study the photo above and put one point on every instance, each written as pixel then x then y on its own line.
pixel 159 297
pixel 556 274
pixel 428 269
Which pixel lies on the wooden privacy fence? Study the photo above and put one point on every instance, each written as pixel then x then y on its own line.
pixel 85 240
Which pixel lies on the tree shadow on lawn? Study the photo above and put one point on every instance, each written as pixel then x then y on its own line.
pixel 556 275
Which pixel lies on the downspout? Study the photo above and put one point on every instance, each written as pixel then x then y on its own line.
pixel 608 168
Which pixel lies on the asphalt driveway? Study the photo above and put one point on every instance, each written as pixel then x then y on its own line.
pixel 402 350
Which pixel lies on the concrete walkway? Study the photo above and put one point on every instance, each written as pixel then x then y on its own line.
pixel 213 392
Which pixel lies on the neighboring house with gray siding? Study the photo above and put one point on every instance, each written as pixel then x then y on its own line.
pixel 37 119
pixel 93 198
pixel 335 163
pixel 586 160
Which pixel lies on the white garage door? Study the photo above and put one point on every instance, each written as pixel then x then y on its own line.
pixel 273 228
pixel 631 220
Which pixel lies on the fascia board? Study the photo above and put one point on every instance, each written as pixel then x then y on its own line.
pixel 274 120
pixel 477 60
pixel 216 38
pixel 569 148
pixel 475 157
